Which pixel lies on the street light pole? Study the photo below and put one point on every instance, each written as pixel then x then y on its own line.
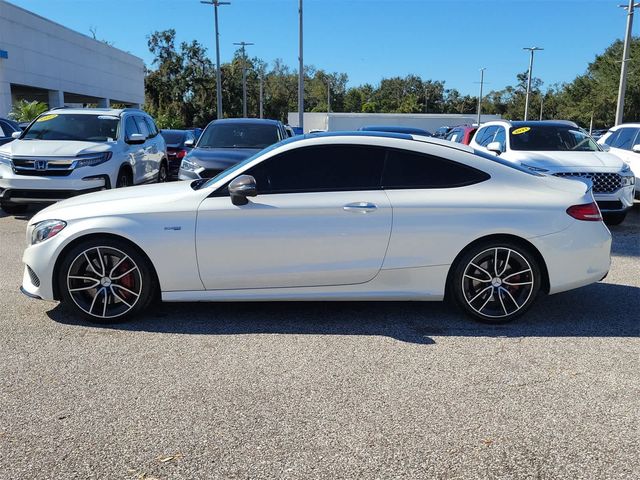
pixel 328 95
pixel 216 4
pixel 529 77
pixel 300 75
pixel 262 94
pixel 244 76
pixel 480 97
pixel 625 58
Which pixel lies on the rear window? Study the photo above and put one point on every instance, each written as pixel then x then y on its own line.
pixel 238 135
pixel 173 138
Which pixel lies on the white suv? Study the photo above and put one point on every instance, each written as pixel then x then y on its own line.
pixel 624 142
pixel 67 152
pixel 562 149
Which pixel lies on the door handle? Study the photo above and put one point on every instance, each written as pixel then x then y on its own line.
pixel 362 207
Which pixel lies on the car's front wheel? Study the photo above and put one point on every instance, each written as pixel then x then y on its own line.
pixel 14 208
pixel 105 280
pixel 495 282
pixel 163 173
pixel 614 218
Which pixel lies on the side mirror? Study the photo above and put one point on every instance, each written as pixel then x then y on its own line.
pixel 16 134
pixel 135 139
pixel 242 187
pixel 496 147
pixel 636 148
pixel 189 143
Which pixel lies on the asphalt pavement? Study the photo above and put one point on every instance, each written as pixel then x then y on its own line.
pixel 323 390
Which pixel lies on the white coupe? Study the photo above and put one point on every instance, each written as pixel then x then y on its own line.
pixel 358 216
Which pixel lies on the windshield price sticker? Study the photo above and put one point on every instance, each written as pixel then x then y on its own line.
pixel 520 130
pixel 46 118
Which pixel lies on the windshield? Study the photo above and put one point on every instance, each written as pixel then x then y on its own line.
pixel 79 127
pixel 238 135
pixel 551 138
pixel 172 137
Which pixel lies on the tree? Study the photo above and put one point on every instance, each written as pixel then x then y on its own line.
pixel 24 111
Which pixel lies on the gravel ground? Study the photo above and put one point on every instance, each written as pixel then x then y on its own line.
pixel 321 390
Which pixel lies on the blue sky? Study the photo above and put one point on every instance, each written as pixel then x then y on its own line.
pixel 369 39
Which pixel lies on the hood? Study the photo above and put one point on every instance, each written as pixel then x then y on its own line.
pixel 55 148
pixel 160 197
pixel 220 158
pixel 565 160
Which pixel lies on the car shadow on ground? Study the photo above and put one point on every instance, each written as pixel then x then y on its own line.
pixel 599 310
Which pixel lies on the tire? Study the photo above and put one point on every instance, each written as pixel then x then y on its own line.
pixel 493 293
pixel 614 218
pixel 14 208
pixel 106 280
pixel 124 178
pixel 163 172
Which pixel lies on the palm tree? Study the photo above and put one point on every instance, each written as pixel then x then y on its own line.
pixel 24 111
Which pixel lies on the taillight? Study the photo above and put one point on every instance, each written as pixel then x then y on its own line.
pixel 588 212
pixel 180 154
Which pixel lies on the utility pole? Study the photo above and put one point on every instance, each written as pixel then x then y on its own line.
pixel 541 104
pixel 328 95
pixel 480 97
pixel 216 4
pixel 625 58
pixel 529 77
pixel 300 75
pixel 244 76
pixel 262 94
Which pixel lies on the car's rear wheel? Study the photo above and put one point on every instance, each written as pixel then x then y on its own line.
pixel 614 218
pixel 106 280
pixel 14 208
pixel 496 282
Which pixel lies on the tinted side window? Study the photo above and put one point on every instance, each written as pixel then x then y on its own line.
pixel 2 134
pixel 485 135
pixel 501 136
pixel 321 169
pixel 130 126
pixel 153 131
pixel 142 126
pixel 405 169
pixel 625 138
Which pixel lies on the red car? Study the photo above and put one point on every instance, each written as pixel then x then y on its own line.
pixel 461 134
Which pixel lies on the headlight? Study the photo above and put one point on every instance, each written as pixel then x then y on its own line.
pixel 45 230
pixel 535 169
pixel 628 178
pixel 188 165
pixel 92 159
pixel 5 158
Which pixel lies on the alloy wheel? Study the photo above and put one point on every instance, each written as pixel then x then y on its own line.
pixel 497 282
pixel 104 282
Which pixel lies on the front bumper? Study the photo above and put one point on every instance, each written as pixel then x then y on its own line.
pixel 616 202
pixel 28 189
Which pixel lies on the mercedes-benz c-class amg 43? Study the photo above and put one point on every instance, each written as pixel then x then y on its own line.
pixel 358 216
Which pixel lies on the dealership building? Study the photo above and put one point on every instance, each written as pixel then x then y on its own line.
pixel 42 60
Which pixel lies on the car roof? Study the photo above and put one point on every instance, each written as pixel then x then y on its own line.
pixel 393 135
pixel 175 130
pixel 253 121
pixel 531 123
pixel 622 125
pixel 116 112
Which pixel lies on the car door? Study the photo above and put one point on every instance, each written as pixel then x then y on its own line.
pixel 320 218
pixel 158 146
pixel 136 152
pixel 150 150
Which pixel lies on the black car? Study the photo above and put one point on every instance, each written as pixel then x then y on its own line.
pixel 396 129
pixel 229 141
pixel 179 144
pixel 7 128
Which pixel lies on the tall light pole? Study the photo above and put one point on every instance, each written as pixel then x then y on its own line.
pixel 529 77
pixel 328 95
pixel 300 75
pixel 625 59
pixel 244 76
pixel 216 4
pixel 480 97
pixel 262 94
